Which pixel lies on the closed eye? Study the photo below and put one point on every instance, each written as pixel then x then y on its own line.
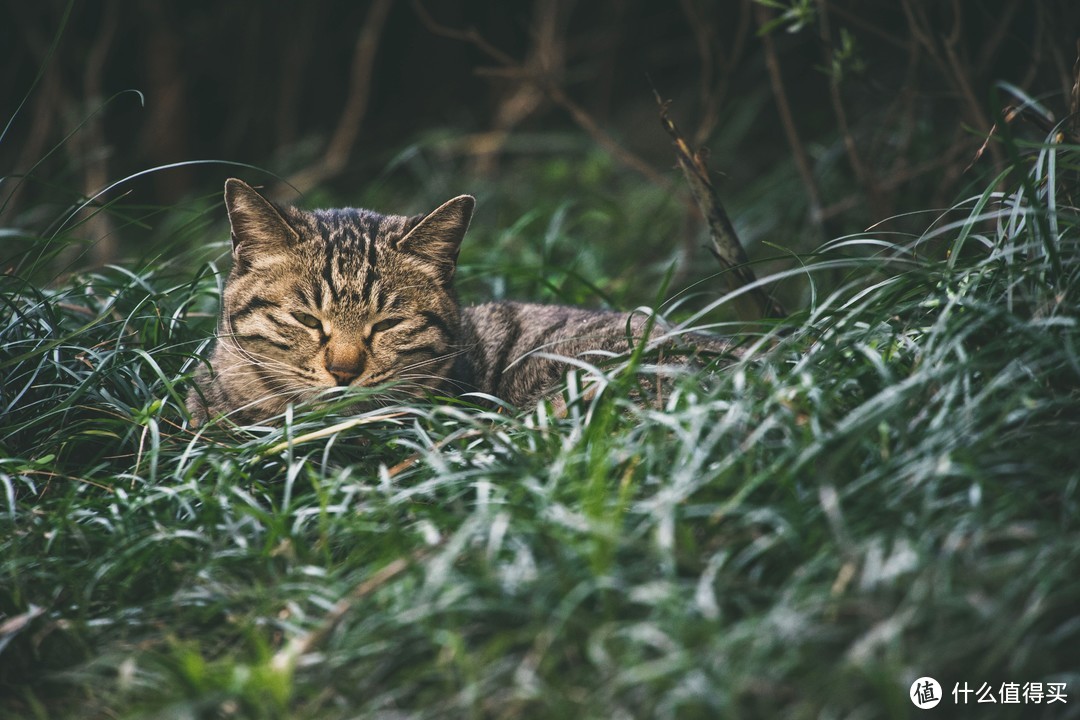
pixel 384 325
pixel 307 320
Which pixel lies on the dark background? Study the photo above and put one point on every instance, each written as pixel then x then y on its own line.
pixel 889 101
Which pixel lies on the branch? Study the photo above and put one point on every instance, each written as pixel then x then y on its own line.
pixel 586 122
pixel 865 178
pixel 541 78
pixel 1074 94
pixel 285 659
pixel 858 21
pixel 726 246
pixel 95 174
pixel 469 35
pixel 894 178
pixel 776 80
pixel 950 65
pixel 713 93
pixel 546 55
pixel 343 140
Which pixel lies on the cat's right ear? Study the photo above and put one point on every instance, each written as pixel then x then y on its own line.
pixel 438 235
pixel 258 228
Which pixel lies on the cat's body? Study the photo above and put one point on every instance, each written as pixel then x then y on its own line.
pixel 350 297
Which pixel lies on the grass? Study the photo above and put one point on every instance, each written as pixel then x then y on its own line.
pixel 884 488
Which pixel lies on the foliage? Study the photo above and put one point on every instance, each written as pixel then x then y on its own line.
pixel 883 487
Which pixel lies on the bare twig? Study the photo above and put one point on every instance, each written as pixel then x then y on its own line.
pixel 1038 50
pixel 553 91
pixel 962 80
pixel 341 144
pixel 294 73
pixel 1011 113
pixel 867 180
pixel 546 56
pixel 1074 94
pixel 950 65
pixel 165 133
pixel 469 35
pixel 909 91
pixel 41 126
pixel 861 22
pixel 895 178
pixel 1002 24
pixel 586 122
pixel 285 659
pixel 726 246
pixel 415 457
pixel 776 80
pixel 714 91
pixel 92 142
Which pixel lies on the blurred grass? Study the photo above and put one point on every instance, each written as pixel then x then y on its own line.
pixel 884 488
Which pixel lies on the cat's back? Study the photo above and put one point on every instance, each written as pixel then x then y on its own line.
pixel 510 349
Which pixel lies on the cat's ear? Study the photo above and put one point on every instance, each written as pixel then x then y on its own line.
pixel 437 237
pixel 257 226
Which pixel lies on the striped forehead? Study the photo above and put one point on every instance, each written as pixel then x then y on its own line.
pixel 352 228
pixel 349 240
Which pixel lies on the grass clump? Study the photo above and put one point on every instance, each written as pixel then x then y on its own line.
pixel 884 487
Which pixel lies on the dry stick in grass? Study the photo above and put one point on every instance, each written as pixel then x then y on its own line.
pixel 1012 113
pixel 412 459
pixel 285 660
pixel 546 55
pixel 726 243
pixel 755 303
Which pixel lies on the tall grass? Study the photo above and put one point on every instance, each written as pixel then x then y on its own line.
pixel 884 487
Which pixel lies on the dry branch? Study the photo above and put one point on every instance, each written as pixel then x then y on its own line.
pixel 798 151
pixel 1074 94
pixel 541 78
pixel 713 61
pixel 867 179
pixel 341 144
pixel 726 246
pixel 285 659
pixel 946 57
pixel 92 143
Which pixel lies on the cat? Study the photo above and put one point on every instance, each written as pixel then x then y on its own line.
pixel 349 297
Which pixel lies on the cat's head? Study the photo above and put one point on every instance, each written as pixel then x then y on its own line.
pixel 342 297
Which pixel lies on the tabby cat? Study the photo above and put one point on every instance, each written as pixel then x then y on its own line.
pixel 349 297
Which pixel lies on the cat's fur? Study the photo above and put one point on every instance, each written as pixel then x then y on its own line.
pixel 325 298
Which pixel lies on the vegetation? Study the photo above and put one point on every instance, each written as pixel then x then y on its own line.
pixel 885 487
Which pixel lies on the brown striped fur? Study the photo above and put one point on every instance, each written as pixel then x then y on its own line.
pixel 348 297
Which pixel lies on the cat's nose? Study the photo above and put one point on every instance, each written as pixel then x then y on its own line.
pixel 344 362
pixel 343 378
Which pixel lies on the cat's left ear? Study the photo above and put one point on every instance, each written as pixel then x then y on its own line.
pixel 437 237
pixel 258 227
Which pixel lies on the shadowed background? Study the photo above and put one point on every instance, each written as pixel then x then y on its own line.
pixel 822 116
